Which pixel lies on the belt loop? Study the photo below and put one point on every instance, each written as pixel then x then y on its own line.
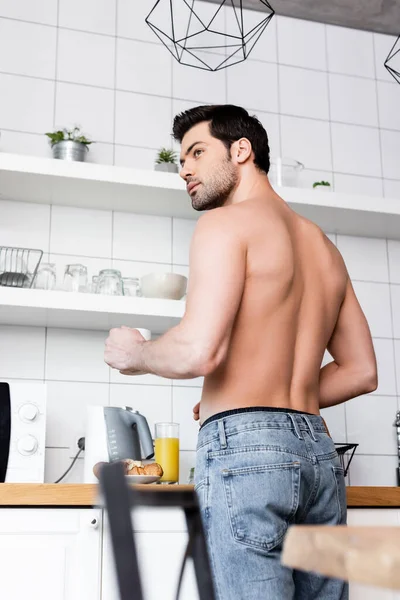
pixel 295 425
pixel 311 428
pixel 222 436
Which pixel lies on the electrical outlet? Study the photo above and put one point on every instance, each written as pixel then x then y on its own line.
pixel 74 448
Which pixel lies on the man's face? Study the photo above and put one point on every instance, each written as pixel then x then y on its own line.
pixel 207 168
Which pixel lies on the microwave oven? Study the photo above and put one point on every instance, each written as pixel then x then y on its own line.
pixel 22 431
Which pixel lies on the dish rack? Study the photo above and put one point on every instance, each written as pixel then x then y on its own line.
pixel 18 266
pixel 346 453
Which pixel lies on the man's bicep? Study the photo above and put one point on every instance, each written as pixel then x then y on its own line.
pixel 217 276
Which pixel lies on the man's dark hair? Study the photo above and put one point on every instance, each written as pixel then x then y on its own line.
pixel 228 123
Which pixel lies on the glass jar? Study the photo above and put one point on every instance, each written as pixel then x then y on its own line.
pixel 45 277
pixel 75 278
pixel 131 286
pixel 110 283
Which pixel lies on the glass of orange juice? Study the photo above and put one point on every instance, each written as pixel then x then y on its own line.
pixel 166 446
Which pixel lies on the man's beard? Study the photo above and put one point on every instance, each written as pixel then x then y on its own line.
pixel 220 184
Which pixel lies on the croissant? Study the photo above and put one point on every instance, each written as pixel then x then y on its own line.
pixel 136 467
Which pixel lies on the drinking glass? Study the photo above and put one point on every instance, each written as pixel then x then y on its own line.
pixel 166 446
pixel 45 277
pixel 75 278
pixel 110 283
pixel 93 288
pixel 131 286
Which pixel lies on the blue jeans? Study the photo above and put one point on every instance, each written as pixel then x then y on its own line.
pixel 257 472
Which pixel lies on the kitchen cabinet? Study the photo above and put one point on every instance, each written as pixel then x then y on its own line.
pixel 50 554
pixel 374 516
pixel 161 539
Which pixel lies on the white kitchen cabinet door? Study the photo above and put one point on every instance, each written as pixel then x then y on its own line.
pixel 373 516
pixel 161 539
pixel 50 554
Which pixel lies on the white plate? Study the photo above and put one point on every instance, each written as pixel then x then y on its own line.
pixel 142 478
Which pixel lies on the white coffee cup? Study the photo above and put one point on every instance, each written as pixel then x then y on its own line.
pixel 146 333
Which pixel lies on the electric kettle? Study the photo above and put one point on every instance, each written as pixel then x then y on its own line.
pixel 113 434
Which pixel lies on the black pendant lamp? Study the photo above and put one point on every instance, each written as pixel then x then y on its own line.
pixel 196 35
pixel 392 63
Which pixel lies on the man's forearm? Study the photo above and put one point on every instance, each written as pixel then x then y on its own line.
pixel 338 384
pixel 173 355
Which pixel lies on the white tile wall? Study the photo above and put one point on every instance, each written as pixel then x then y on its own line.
pixel 22 351
pixel 196 84
pixel 384 350
pixel 301 43
pixel 67 402
pixel 374 299
pixel 390 141
pixel 76 355
pixel 24 225
pixel 134 158
pixel 356 150
pixel 307 141
pixel 395 294
pixel 391 188
pixel 388 104
pixel 356 184
pixel 135 60
pixel 370 422
pixel 35 116
pixel 266 48
pixel 33 144
pixel 81 231
pixel 365 258
pixel 142 237
pixel 373 470
pixel 97 16
pixel 383 44
pixel 35 57
pixel 253 85
pixel 90 108
pixel 183 401
pixel 350 52
pixel 96 80
pixel 353 100
pixel 182 231
pixel 42 11
pixel 303 93
pixel 132 129
pixel 86 58
pixel 335 418
pixel 394 260
pixel 131 20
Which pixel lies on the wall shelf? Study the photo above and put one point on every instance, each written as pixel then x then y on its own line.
pixel 42 308
pixel 49 181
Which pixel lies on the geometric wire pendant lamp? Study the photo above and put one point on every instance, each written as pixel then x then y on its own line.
pixel 194 31
pixel 392 63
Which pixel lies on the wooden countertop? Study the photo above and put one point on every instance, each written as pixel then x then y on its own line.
pixel 32 494
pixel 51 494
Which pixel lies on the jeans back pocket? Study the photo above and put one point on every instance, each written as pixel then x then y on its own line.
pixel 262 501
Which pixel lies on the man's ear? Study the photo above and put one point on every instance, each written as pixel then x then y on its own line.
pixel 241 150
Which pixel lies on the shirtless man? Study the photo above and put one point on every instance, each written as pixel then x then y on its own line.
pixel 268 293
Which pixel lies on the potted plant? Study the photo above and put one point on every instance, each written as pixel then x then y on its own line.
pixel 323 185
pixel 166 161
pixel 69 144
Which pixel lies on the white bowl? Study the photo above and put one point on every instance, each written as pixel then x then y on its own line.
pixel 163 285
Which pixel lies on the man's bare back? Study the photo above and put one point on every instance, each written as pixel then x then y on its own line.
pixel 295 284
